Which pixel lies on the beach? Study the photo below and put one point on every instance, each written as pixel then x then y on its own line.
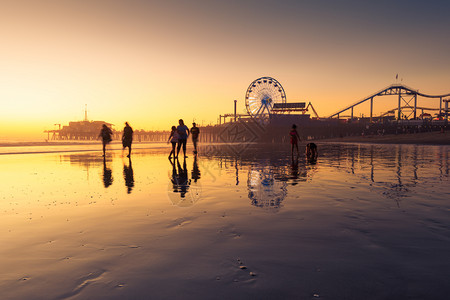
pixel 362 222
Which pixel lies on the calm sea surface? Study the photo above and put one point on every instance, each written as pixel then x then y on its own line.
pixel 235 222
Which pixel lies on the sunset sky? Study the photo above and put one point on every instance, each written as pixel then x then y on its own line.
pixel 153 62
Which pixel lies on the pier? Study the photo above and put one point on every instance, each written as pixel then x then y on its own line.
pixel 269 118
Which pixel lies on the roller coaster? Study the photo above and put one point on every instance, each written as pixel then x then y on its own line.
pixel 407 103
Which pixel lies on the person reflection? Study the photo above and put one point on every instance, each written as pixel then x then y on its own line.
pixel 128 175
pixel 294 170
pixel 174 178
pixel 195 174
pixel 179 178
pixel 184 182
pixel 107 174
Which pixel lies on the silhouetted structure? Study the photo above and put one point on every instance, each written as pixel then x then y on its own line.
pixel 268 114
pixel 406 106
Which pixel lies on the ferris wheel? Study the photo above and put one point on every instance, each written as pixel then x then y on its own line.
pixel 261 95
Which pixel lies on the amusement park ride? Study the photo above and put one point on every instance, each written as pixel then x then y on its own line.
pixel 406 105
pixel 266 97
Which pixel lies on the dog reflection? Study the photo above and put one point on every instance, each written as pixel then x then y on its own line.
pixel 311 153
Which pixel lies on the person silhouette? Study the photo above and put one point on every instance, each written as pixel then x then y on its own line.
pixel 128 176
pixel 105 134
pixel 127 138
pixel 107 175
pixel 295 138
pixel 173 138
pixel 195 132
pixel 183 134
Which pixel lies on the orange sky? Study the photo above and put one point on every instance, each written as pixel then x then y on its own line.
pixel 151 63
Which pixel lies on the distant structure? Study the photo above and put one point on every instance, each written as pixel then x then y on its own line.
pixel 89 130
pixel 78 130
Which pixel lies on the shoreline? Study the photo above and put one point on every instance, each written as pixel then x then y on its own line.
pixel 423 138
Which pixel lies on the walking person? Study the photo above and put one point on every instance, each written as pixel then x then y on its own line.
pixel 183 134
pixel 127 138
pixel 194 133
pixel 295 138
pixel 105 134
pixel 173 138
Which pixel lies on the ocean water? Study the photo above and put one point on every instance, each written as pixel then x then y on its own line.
pixel 233 222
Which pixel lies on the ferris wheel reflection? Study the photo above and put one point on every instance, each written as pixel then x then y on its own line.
pixel 264 190
pixel 268 184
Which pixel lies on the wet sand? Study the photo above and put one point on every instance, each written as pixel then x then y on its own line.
pixel 425 138
pixel 364 222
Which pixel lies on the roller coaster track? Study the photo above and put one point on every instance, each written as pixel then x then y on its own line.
pixel 392 111
pixel 395 89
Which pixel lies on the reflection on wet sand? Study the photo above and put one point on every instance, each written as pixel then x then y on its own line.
pixel 107 175
pixel 396 168
pixel 195 175
pixel 337 221
pixel 185 191
pixel 91 160
pixel 271 172
pixel 401 158
pixel 264 190
pixel 128 175
pixel 179 178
